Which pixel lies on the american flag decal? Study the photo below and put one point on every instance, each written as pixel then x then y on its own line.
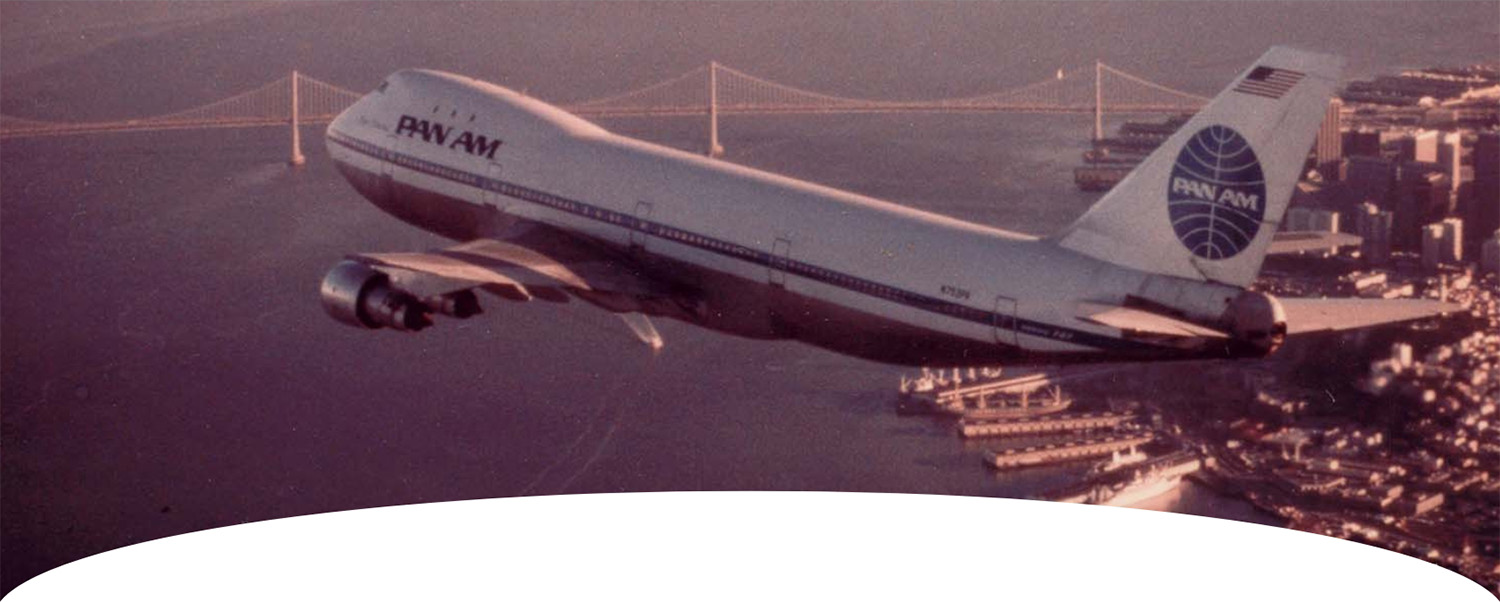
pixel 1269 82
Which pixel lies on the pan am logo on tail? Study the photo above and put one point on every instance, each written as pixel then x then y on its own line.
pixel 1216 198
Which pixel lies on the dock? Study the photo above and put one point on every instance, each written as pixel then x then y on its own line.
pixel 1056 423
pixel 1037 455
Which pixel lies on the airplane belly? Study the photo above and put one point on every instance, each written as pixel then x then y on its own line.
pixel 435 212
pixel 747 306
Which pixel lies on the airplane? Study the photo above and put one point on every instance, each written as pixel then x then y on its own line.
pixel 546 205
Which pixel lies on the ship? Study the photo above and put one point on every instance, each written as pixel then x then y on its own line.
pixel 1022 407
pixel 1143 487
pixel 987 398
pixel 1162 476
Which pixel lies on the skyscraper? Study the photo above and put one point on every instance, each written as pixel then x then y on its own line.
pixel 1481 212
pixel 1374 227
pixel 1491 254
pixel 1422 196
pixel 1422 146
pixel 1432 245
pixel 1361 144
pixel 1453 240
pixel 1370 179
pixel 1330 144
pixel 1450 153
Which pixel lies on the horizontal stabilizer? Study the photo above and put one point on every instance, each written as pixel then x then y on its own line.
pixel 1125 318
pixel 1286 243
pixel 1321 315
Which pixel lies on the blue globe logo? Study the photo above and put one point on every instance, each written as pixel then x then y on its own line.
pixel 1216 198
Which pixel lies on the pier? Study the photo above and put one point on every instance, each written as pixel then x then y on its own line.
pixel 1062 452
pixel 970 428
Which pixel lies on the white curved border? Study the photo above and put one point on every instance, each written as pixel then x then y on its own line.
pixel 750 545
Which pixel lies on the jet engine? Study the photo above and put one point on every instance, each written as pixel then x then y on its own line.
pixel 1257 323
pixel 358 295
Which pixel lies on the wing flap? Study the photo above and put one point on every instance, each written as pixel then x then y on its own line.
pixel 483 262
pixel 1321 315
pixel 534 262
pixel 1126 318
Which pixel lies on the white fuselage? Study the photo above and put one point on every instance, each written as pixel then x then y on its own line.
pixel 424 148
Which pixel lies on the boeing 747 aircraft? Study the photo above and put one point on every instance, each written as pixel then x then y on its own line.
pixel 546 205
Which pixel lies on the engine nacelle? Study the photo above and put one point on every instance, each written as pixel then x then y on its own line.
pixel 460 304
pixel 358 295
pixel 1257 323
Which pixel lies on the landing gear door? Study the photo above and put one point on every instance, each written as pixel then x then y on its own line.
pixel 1005 321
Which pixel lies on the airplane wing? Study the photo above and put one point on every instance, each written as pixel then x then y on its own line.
pixel 1286 243
pixel 1323 315
pixel 533 262
pixel 1302 315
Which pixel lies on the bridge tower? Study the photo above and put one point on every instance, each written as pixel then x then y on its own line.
pixel 297 157
pixel 714 150
pixel 1098 100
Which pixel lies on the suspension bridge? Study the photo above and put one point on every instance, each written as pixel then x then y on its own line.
pixel 710 90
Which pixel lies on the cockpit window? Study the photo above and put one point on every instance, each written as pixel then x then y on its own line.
pixel 383 86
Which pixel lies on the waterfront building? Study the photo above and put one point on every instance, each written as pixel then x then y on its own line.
pixel 1417 504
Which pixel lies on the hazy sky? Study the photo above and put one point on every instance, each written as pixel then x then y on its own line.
pixel 60 56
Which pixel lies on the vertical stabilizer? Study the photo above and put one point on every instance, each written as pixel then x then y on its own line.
pixel 1207 202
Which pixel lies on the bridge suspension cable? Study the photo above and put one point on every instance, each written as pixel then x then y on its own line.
pixel 269 104
pixel 711 90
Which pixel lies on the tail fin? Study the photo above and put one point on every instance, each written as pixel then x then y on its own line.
pixel 1207 202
